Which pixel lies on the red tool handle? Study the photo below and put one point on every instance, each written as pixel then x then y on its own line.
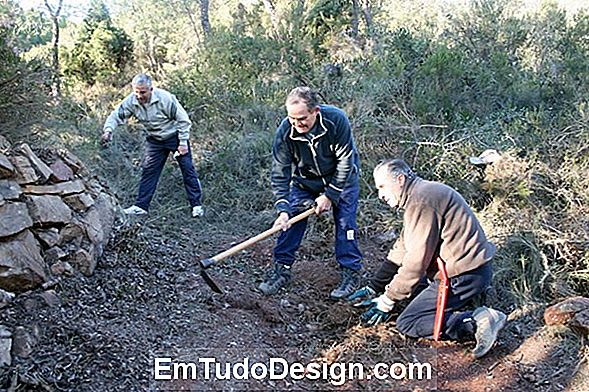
pixel 442 298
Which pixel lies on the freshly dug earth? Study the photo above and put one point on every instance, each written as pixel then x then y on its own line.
pixel 147 301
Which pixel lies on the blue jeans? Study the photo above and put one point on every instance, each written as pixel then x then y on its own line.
pixel 347 252
pixel 156 153
pixel 417 320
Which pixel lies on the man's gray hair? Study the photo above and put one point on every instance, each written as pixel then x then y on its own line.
pixel 394 167
pixel 303 94
pixel 141 80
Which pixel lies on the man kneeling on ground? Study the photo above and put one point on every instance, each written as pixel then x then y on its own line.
pixel 437 222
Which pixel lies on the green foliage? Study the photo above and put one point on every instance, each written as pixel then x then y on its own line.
pixel 33 29
pixel 22 83
pixel 232 75
pixel 431 84
pixel 101 50
pixel 325 19
pixel 560 55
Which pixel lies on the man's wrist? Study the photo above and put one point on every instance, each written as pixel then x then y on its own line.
pixel 183 143
pixel 384 303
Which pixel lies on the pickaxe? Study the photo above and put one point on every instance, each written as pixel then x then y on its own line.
pixel 207 263
pixel 442 298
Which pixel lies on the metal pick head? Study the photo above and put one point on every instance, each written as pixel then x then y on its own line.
pixel 211 282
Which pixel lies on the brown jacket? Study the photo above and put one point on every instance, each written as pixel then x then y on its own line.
pixel 436 222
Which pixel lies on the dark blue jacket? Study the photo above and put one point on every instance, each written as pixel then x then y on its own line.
pixel 324 163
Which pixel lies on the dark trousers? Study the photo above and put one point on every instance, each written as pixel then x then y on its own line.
pixel 417 319
pixel 347 252
pixel 156 153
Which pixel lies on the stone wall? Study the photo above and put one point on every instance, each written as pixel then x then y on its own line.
pixel 55 218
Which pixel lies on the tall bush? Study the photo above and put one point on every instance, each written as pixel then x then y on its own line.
pixel 101 50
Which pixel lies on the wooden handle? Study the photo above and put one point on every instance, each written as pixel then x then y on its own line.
pixel 233 250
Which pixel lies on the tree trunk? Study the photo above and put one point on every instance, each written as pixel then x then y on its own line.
pixel 204 17
pixel 192 21
pixel 355 19
pixel 271 9
pixel 366 9
pixel 56 83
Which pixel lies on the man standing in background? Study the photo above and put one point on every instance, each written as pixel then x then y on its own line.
pixel 168 129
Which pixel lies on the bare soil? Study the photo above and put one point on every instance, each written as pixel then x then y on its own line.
pixel 146 300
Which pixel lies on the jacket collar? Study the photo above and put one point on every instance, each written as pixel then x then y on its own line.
pixel 319 128
pixel 407 190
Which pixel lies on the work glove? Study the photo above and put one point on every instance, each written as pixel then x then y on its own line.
pixel 362 297
pixel 380 312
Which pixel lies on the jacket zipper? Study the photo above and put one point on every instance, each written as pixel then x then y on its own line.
pixel 314 153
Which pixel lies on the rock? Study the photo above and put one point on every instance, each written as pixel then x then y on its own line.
pixel 4 332
pixel 573 312
pixel 21 264
pixel 99 222
pixel 10 190
pixel 94 187
pixel 60 172
pixel 5 145
pixel 85 261
pixel 72 233
pixel 93 223
pixel 15 218
pixel 51 299
pixel 52 210
pixel 57 268
pixel 68 269
pixel 5 298
pixel 61 268
pixel 50 283
pixel 22 343
pixel 63 188
pixel 54 254
pixel 5 346
pixel 79 202
pixel 71 160
pixel 49 237
pixel 32 305
pixel 6 168
pixel 48 210
pixel 40 166
pixel 25 174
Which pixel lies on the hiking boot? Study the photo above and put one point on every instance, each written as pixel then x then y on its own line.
pixel 197 211
pixel 134 210
pixel 278 278
pixel 350 280
pixel 489 322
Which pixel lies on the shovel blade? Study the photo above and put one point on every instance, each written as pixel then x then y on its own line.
pixel 211 282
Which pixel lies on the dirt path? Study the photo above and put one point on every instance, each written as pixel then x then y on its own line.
pixel 145 301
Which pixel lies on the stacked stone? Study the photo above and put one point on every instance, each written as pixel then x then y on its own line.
pixel 54 217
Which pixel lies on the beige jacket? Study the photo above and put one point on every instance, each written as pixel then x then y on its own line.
pixel 163 117
pixel 436 222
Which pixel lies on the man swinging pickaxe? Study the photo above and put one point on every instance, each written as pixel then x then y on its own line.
pixel 439 230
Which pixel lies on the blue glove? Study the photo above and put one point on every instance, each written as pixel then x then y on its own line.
pixel 373 316
pixel 380 312
pixel 362 298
